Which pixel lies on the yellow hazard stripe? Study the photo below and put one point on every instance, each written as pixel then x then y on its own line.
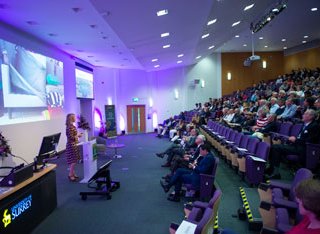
pixel 246 204
pixel 216 223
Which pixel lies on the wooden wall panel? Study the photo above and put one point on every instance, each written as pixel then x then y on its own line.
pixel 305 59
pixel 243 77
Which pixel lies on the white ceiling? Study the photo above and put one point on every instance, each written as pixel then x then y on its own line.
pixel 126 33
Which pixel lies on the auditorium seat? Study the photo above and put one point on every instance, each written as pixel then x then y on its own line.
pixel 279 195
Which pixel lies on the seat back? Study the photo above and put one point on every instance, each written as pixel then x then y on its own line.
pixel 208 213
pixel 232 136
pixel 285 128
pixel 302 174
pixel 252 144
pixel 214 198
pixel 238 139
pixel 263 150
pixel 244 141
pixel 208 228
pixel 295 130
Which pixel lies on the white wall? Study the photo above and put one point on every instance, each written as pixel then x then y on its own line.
pixel 25 138
pixel 123 85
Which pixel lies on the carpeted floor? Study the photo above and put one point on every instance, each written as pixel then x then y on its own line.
pixel 140 205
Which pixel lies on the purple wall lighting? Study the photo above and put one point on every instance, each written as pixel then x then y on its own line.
pixel 97 116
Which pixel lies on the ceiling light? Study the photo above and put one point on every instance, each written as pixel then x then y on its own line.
pixel 31 22
pixel 236 36
pixel 304 42
pixel 236 23
pixel 261 38
pixel 198 57
pixel 283 39
pixel 248 7
pixel 212 21
pixel 314 9
pixel 165 34
pixel 305 36
pixel 211 47
pixel 244 44
pixel 180 55
pixel 162 12
pixel 53 34
pixel 154 60
pixel 285 48
pixel 90 56
pixel 275 10
pixel 265 46
pixel 179 61
pixel 156 65
pixel 166 46
pixel 269 19
pixel 205 35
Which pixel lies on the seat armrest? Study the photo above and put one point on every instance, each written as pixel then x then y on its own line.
pixel 284 186
pixel 280 202
pixel 174 226
pixel 195 215
pixel 201 205
pixel 264 186
pixel 265 205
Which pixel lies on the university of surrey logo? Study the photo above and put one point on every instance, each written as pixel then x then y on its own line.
pixel 6 218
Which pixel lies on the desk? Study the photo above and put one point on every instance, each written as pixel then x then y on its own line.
pixel 26 205
pixel 116 146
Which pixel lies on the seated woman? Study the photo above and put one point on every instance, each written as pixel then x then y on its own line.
pixel 307 195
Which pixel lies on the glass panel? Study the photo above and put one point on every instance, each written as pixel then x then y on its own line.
pixel 139 130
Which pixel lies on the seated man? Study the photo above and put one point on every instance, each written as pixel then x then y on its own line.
pixel 191 175
pixel 309 133
pixel 179 149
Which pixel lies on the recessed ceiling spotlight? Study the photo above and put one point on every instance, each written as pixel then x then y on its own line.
pixel 212 21
pixel 283 39
pixel 314 9
pixel 236 36
pixel 165 34
pixel 198 57
pixel 68 43
pixel 285 48
pixel 248 7
pixel 166 46
pixel 104 37
pixel 80 51
pixel 92 25
pixel 265 46
pixel 275 10
pixel 304 42
pixel 162 12
pixel 180 55
pixel 97 61
pixel 90 56
pixel 53 34
pixel 305 36
pixel 205 35
pixel 244 44
pixel 261 38
pixel 180 61
pixel 154 60
pixel 269 19
pixel 114 46
pixel 236 23
pixel 156 65
pixel 211 47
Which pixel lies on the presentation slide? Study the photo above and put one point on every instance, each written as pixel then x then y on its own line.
pixel 31 85
pixel 84 81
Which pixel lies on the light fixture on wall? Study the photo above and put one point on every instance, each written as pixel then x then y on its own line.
pixel 122 123
pixel 154 120
pixel 203 83
pixel 264 64
pixel 109 100
pixel 229 76
pixel 176 94
pixel 150 102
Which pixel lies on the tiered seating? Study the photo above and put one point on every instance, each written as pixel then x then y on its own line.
pixel 239 150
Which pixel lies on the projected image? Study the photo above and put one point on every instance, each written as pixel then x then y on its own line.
pixel 31 85
pixel 84 82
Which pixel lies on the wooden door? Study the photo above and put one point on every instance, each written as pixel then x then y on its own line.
pixel 136 118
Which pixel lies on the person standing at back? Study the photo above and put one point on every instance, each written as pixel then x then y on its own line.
pixel 72 151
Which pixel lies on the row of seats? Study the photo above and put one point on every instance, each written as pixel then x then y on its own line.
pixel 242 152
